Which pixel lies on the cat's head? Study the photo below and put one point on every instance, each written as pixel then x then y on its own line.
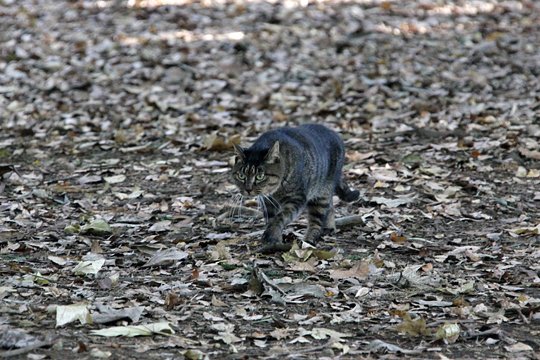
pixel 257 171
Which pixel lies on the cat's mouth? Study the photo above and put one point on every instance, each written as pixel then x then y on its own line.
pixel 255 193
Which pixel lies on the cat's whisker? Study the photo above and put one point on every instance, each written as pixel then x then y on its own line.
pixel 262 207
pixel 230 207
pixel 236 205
pixel 272 201
pixel 233 206
pixel 240 203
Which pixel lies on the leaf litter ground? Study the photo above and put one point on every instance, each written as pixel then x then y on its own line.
pixel 117 218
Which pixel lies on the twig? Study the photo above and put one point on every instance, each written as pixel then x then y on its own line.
pixel 493 331
pixel 349 221
pixel 420 239
pixel 523 317
pixel 263 279
pixel 27 349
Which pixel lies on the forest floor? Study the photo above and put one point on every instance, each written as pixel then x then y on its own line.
pixel 117 123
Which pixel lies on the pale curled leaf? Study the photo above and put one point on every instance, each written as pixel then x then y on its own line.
pixel 465 288
pixel 225 332
pixel 66 314
pixel 323 333
pixel 411 276
pixel 220 252
pixel 518 347
pixel 227 337
pixel 530 230
pixel 448 332
pixel 393 203
pixel 301 290
pixel 89 267
pixel 280 333
pixel 89 179
pixel 361 270
pixel 107 314
pixel 164 256
pixel 100 354
pixel 133 195
pixel 194 355
pixel 115 179
pixel 97 227
pixel 161 226
pixel 530 154
pixel 57 260
pixel 413 327
pixel 384 174
pixel 218 142
pixel 135 330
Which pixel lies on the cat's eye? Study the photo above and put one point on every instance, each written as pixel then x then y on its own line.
pixel 260 177
pixel 241 176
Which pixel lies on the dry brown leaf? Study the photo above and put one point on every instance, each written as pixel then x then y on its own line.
pixel 361 270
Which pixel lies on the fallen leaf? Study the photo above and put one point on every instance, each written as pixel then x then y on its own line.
pixel 66 314
pixel 161 226
pixel 57 260
pixel 448 332
pixel 398 239
pixel 416 327
pixel 518 347
pixel 280 333
pixel 530 154
pixel 393 203
pixel 107 314
pixel 193 354
pixel 116 179
pixel 531 230
pixel 323 333
pixel 361 270
pixel 159 328
pixel 218 142
pixel 89 267
pixel 90 179
pixel 164 256
pixel 97 227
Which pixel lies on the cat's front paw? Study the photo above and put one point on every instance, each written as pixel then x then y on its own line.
pixel 271 248
pixel 272 242
pixel 313 235
pixel 271 235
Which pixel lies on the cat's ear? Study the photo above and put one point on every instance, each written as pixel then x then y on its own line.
pixel 273 154
pixel 239 152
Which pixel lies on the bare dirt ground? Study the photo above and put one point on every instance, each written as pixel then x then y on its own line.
pixel 117 121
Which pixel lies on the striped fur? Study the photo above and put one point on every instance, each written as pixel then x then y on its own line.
pixel 293 169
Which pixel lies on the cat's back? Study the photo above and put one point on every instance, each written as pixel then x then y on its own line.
pixel 303 137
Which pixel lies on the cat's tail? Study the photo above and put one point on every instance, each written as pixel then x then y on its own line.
pixel 345 193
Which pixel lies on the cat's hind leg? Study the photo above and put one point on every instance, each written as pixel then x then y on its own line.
pixel 345 193
pixel 329 225
pixel 320 214
pixel 272 240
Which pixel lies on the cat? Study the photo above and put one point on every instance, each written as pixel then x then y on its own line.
pixel 290 169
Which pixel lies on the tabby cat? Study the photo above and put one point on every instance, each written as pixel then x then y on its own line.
pixel 290 169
